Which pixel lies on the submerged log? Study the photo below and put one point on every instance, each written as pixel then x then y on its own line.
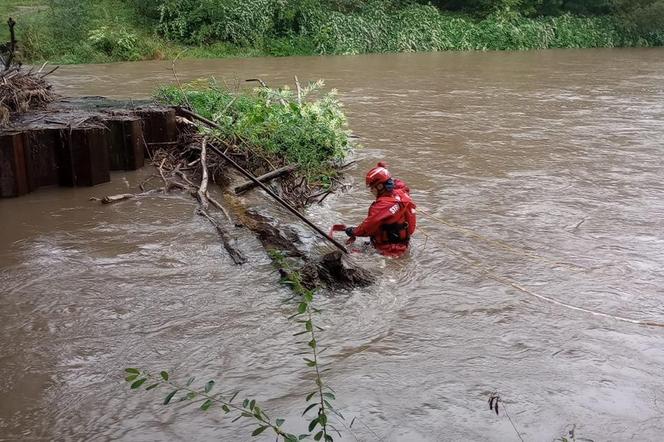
pixel 265 178
pixel 13 171
pixel 339 270
pixel 126 143
pixel 83 158
pixel 272 237
pixel 204 202
pixel 334 270
pixel 228 242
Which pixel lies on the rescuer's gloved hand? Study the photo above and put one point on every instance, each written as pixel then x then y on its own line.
pixel 350 231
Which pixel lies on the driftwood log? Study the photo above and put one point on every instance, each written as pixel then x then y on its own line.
pixel 265 178
pixel 204 202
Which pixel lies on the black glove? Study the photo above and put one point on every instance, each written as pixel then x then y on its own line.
pixel 350 231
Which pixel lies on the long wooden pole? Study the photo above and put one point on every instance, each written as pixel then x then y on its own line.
pixel 261 185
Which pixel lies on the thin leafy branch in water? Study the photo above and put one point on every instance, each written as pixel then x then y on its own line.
pixel 249 408
pixel 494 400
pixel 321 398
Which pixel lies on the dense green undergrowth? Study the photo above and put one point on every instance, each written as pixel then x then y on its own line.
pixel 308 129
pixel 74 31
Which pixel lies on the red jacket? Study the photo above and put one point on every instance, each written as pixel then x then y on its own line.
pixel 391 221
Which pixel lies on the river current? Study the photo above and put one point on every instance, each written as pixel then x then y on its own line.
pixel 543 176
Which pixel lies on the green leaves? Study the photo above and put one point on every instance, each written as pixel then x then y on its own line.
pixel 164 375
pixel 259 430
pixel 138 383
pixel 169 396
pixel 309 408
pixel 132 370
pixel 207 404
pixel 302 307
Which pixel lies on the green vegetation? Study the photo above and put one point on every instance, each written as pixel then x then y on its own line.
pixel 73 31
pixel 301 126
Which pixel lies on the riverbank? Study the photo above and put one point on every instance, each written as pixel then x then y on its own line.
pixel 67 32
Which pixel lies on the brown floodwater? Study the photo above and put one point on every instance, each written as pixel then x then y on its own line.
pixel 548 157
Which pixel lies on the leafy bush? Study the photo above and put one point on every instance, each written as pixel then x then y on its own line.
pixel 117 43
pixel 311 132
pixel 244 22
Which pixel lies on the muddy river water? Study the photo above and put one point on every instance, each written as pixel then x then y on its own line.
pixel 531 163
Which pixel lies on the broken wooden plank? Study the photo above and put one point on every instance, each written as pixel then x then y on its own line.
pixel 126 142
pixel 13 170
pixel 83 159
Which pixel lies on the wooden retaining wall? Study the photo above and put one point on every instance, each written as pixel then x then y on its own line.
pixel 34 156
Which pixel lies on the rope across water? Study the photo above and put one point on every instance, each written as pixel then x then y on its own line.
pixel 480 269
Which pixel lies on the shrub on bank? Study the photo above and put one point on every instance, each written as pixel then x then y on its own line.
pixel 310 131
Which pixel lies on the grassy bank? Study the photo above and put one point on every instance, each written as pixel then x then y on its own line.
pixel 97 31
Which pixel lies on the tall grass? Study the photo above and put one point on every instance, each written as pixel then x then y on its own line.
pixel 74 31
pixel 381 26
pixel 424 28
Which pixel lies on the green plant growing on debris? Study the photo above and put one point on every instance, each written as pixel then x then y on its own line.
pixel 300 125
pixel 318 401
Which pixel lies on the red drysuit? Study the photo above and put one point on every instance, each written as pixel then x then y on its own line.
pixel 390 222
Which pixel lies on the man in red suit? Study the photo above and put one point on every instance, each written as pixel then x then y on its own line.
pixel 391 220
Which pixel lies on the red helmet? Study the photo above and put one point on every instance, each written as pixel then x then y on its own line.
pixel 378 175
